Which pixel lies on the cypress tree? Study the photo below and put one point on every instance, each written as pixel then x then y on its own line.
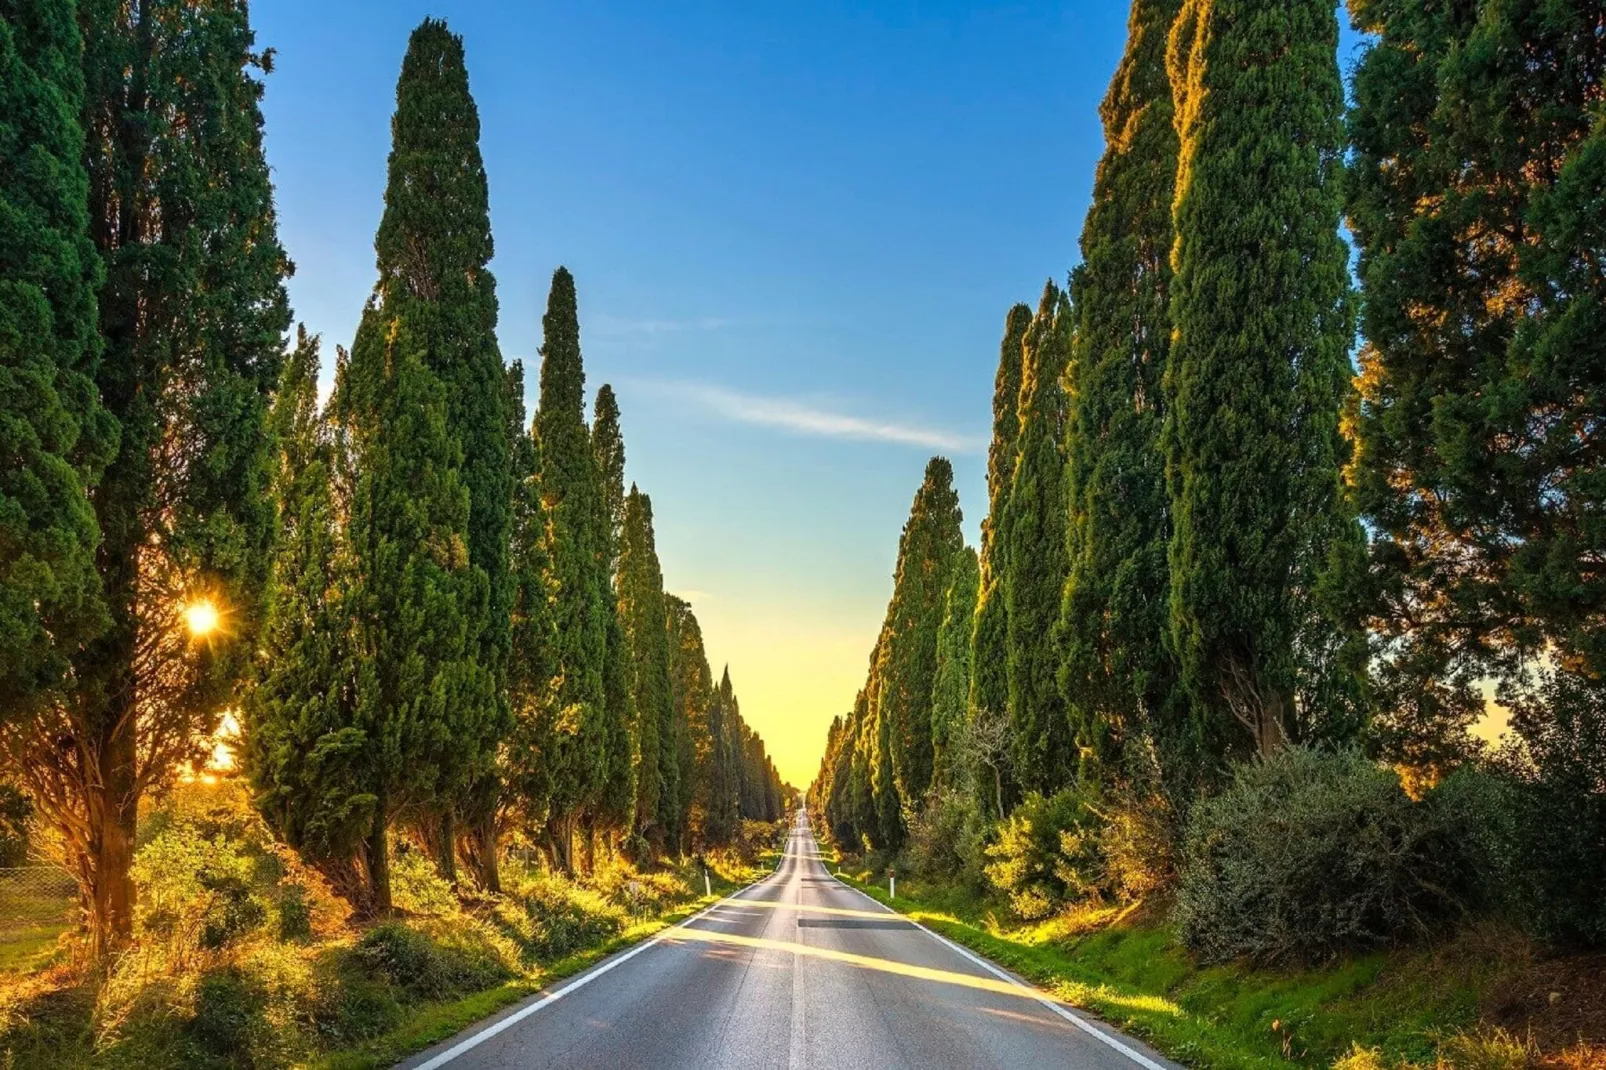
pixel 1032 548
pixel 1258 368
pixel 692 684
pixel 950 693
pixel 54 435
pixel 614 809
pixel 646 622
pixel 719 824
pixel 930 542
pixel 307 760
pixel 577 755
pixel 1475 202
pixel 433 245
pixel 427 699
pixel 990 680
pixel 1118 676
pixel 532 755
pixel 608 446
pixel 192 317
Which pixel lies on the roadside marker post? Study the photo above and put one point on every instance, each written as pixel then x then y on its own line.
pixel 892 884
pixel 708 887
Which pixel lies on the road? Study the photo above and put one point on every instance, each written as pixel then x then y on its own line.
pixel 795 971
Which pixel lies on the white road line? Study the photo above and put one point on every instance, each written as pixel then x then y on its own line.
pixel 1037 994
pixel 797 1052
pixel 469 1043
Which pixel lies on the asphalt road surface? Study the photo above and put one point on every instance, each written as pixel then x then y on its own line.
pixel 796 971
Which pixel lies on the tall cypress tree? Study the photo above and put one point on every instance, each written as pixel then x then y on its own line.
pixel 433 245
pixel 55 435
pixel 646 623
pixel 930 543
pixel 608 447
pixel 1118 676
pixel 692 684
pixel 614 810
pixel 307 759
pixel 426 695
pixel 1032 545
pixel 950 692
pixel 532 756
pixel 192 318
pixel 990 680
pixel 1475 201
pixel 577 579
pixel 1258 367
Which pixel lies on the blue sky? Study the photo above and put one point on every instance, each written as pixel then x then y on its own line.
pixel 795 228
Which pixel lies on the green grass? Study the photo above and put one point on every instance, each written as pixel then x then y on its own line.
pixel 30 924
pixel 1134 975
pixel 432 1023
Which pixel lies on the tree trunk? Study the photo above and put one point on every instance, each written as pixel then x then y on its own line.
pixel 446 847
pixel 560 837
pixel 588 843
pixel 113 807
pixel 378 859
pixel 480 853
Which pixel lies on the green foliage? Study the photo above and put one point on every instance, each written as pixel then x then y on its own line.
pixel 691 688
pixel 950 691
pixel 1032 550
pixel 191 317
pixel 1118 675
pixel 54 434
pixel 1475 199
pixel 1308 854
pixel 573 736
pixel 990 679
pixel 427 967
pixel 307 760
pixel 1046 852
pixel 907 671
pixel 552 919
pixel 947 840
pixel 646 622
pixel 1258 370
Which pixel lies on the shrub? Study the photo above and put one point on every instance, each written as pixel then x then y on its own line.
pixel 1308 854
pixel 556 918
pixel 1138 843
pixel 195 892
pixel 1046 851
pixel 947 840
pixel 427 966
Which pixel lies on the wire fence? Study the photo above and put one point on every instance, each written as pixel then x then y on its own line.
pixel 37 905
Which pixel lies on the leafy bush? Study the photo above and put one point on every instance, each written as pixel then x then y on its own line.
pixel 195 892
pixel 1308 854
pixel 1046 851
pixel 1138 843
pixel 555 918
pixel 427 966
pixel 948 839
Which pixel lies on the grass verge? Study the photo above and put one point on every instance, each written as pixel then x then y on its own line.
pixel 1408 1008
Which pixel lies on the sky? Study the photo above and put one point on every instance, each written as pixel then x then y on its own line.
pixel 795 228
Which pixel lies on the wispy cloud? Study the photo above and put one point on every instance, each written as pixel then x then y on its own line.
pixel 612 325
pixel 806 418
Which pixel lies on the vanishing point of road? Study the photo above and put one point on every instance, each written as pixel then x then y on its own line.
pixel 796 971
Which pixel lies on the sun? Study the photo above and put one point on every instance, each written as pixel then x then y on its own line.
pixel 201 617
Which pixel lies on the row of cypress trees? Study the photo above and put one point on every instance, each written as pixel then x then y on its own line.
pixel 436 620
pixel 467 633
pixel 1174 572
